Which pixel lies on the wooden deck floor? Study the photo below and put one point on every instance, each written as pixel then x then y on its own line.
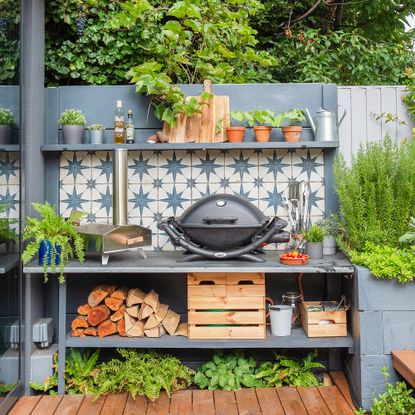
pixel 325 400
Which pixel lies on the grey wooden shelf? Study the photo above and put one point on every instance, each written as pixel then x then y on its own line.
pixel 8 262
pixel 192 146
pixel 166 262
pixel 9 147
pixel 297 340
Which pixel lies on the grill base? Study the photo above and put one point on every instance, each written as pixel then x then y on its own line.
pixel 198 257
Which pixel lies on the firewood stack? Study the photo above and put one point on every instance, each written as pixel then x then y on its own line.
pixel 128 313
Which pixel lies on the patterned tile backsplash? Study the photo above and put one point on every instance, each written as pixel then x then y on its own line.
pixel 163 184
pixel 9 184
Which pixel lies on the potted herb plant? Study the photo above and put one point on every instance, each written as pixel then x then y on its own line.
pixel 259 119
pixel 6 122
pixel 294 118
pixel 314 237
pixel 73 123
pixel 332 229
pixel 96 133
pixel 53 238
pixel 235 133
pixel 7 234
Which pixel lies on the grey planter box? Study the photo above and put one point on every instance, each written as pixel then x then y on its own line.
pixel 73 134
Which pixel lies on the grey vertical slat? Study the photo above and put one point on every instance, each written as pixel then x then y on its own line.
pixel 404 131
pixel 373 109
pixel 62 338
pixel 359 125
pixel 389 106
pixel 345 130
pixel 51 115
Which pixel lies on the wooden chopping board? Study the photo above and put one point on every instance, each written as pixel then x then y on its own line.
pixel 206 127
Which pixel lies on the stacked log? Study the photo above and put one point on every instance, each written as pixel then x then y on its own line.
pixel 126 312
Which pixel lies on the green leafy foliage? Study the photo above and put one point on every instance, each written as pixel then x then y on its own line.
pixel 376 194
pixel 80 374
pixel 387 261
pixel 228 372
pixel 286 371
pixel 6 117
pixel 315 233
pixel 409 237
pixel 6 232
pixel 72 116
pixel 409 97
pixel 143 373
pixel 294 116
pixel 332 225
pixel 98 127
pixel 59 231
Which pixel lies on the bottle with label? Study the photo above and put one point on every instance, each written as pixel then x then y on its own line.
pixel 129 128
pixel 119 124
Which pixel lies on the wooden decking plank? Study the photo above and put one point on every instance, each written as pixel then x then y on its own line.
pixel 135 406
pixel 91 405
pixel 114 404
pixel 335 400
pixel 341 382
pixel 247 402
pixel 269 401
pixel 25 405
pixel 160 406
pixel 203 402
pixel 404 364
pixel 225 403
pixel 313 401
pixel 69 405
pixel 47 405
pixel 291 401
pixel 181 403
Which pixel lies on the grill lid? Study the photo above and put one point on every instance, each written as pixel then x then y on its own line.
pixel 223 210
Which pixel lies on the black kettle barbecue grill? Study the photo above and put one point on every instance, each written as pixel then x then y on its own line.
pixel 224 226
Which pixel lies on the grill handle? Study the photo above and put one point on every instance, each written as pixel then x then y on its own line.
pixel 220 220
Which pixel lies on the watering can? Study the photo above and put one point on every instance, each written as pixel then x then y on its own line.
pixel 325 128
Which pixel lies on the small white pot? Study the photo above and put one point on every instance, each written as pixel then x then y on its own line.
pixel 280 316
pixel 329 245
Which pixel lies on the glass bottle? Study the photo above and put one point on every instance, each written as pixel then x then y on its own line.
pixel 119 124
pixel 293 299
pixel 129 128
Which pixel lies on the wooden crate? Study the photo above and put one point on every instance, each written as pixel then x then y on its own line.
pixel 311 321
pixel 226 305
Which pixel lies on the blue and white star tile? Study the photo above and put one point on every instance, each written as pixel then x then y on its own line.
pixel 247 191
pixel 9 168
pixel 270 199
pixel 308 165
pixel 202 190
pixel 174 166
pixel 208 166
pixel 317 199
pixel 75 167
pixel 102 201
pixel 241 166
pixel 74 197
pixel 9 196
pixel 102 167
pixel 274 166
pixel 142 200
pixel 142 166
pixel 174 199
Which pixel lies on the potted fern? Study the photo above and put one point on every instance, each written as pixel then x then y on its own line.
pixel 6 122
pixel 54 239
pixel 73 123
pixel 314 237
pixel 294 118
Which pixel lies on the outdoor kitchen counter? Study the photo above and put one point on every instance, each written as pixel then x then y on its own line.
pixel 166 262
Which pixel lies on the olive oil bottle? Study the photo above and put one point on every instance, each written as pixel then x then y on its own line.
pixel 119 124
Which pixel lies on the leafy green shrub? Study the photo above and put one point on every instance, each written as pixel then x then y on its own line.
pixel 6 232
pixel 289 372
pixel 60 232
pixel 331 225
pixel 72 116
pixel 376 194
pixel 315 233
pixel 228 372
pixel 6 117
pixel 409 237
pixel 142 373
pixel 386 261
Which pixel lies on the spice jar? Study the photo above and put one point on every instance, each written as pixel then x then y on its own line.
pixel 293 299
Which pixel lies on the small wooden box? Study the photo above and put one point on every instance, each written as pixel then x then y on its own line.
pixel 226 305
pixel 311 321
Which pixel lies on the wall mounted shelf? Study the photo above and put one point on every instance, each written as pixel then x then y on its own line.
pixel 9 148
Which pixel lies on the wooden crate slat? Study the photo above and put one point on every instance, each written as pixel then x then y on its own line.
pixel 226 303
pixel 236 332
pixel 256 278
pixel 314 317
pixel 226 317
pixel 245 290
pixel 329 330
pixel 201 290
pixel 206 277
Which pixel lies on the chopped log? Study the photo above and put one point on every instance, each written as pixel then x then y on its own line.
pixel 78 333
pixel 120 293
pixel 154 332
pixel 145 311
pixel 181 330
pixel 113 303
pixel 151 323
pixel 137 330
pixel 129 322
pixel 83 309
pixel 119 314
pixel 98 294
pixel 171 321
pixel 135 296
pixel 79 322
pixel 133 311
pixel 152 299
pixel 98 314
pixel 91 331
pixel 162 330
pixel 106 328
pixel 121 327
pixel 161 312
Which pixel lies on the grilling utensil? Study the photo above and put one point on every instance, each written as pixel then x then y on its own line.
pixel 298 205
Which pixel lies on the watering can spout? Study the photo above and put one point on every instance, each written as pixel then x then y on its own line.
pixel 310 120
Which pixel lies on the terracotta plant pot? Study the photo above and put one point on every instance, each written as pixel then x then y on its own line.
pixel 262 133
pixel 235 134
pixel 292 133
